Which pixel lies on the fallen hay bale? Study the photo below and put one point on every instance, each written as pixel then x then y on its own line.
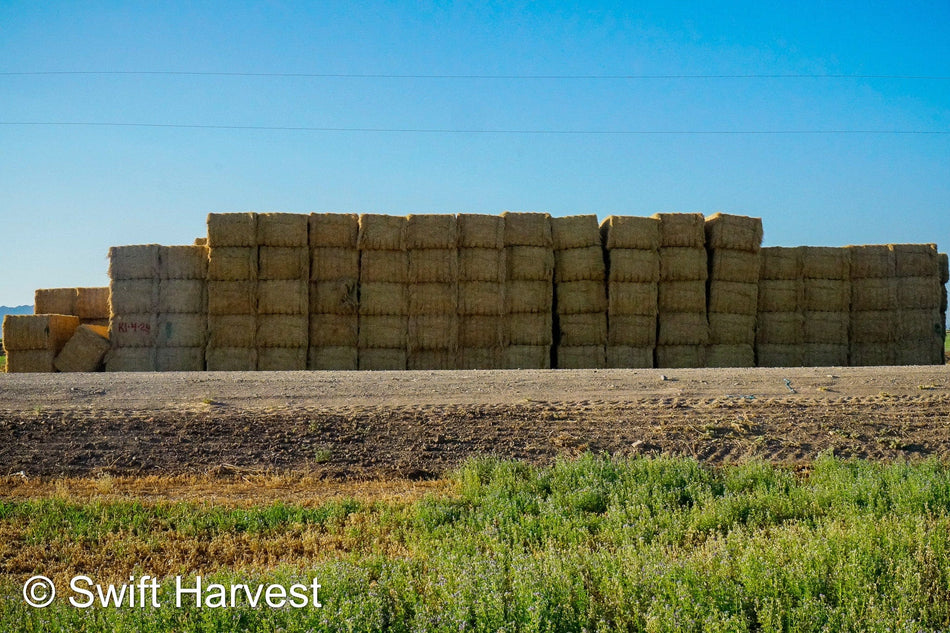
pixel 333 230
pixel 232 229
pixel 84 351
pixel 733 232
pixel 55 301
pixel 630 232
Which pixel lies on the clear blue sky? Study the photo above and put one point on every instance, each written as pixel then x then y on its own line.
pixel 67 193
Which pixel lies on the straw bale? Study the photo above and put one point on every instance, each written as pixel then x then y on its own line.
pixel 873 293
pixel 23 361
pixel 780 262
pixel 283 296
pixel 635 330
pixel 384 298
pixel 683 264
pixel 134 330
pixel 282 359
pixel 432 359
pixel 387 266
pixel 231 359
pixel 871 354
pixel 232 229
pixel 335 358
pixel 735 297
pixel 680 356
pixel 329 263
pixel 233 263
pixel 482 264
pixel 780 328
pixel 433 298
pixel 182 330
pixel 944 266
pixel 134 262
pixel 383 331
pixel 334 330
pixel 827 327
pixel 582 329
pixel 133 295
pixel 530 328
pixel 575 231
pixel 632 298
pixel 729 265
pixel 731 329
pixel 527 357
pixel 827 295
pixel 625 356
pixel 578 297
pixel 382 232
pixel 625 231
pixel 38 331
pixel 919 325
pixel 779 355
pixel 581 357
pixel 100 322
pixel 918 293
pixel 529 296
pixel 681 296
pixel 232 330
pixel 872 261
pixel 477 230
pixel 580 264
pixel 730 356
pixel 232 297
pixel 873 326
pixel 481 331
pixel 682 328
pixel 433 331
pixel 131 359
pixel 920 353
pixel 825 355
pixel 84 351
pixel 334 230
pixel 734 232
pixel 433 265
pixel 283 262
pixel 682 229
pixel 530 262
pixel 282 330
pixel 528 229
pixel 826 262
pixel 780 295
pixel 183 262
pixel 56 301
pixel 334 297
pixel 480 358
pixel 382 359
pixel 201 241
pixel 92 303
pixel 943 298
pixel 282 229
pixel 180 359
pixel 182 295
pixel 431 231
pixel 632 264
pixel 481 297
pixel 916 260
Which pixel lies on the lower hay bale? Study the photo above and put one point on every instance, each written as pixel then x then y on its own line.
pixel 681 229
pixel 139 261
pixel 282 229
pixel 383 298
pixel 731 265
pixel 780 328
pixel 38 331
pixel 780 295
pixel 827 295
pixel 283 296
pixel 683 264
pixel 131 359
pixel 480 357
pixel 182 296
pixel 433 332
pixel 527 229
pixel 632 330
pixel 477 230
pixel 327 264
pixel 478 331
pixel 134 330
pixel 632 298
pixel 232 297
pixel 681 296
pixel 31 361
pixel 736 232
pixel 873 326
pixel 180 359
pixel 482 264
pixel 127 296
pixel 333 358
pixel 92 303
pixel 381 232
pixel 334 330
pixel 731 329
pixel 916 260
pixel 827 327
pixel 283 262
pixel 231 359
pixel 433 265
pixel 630 232
pixel 481 297
pixel 391 266
pixel 182 330
pixel 433 298
pixel 872 261
pixel 283 330
pixel 431 231
pixel 730 356
pixel 919 293
pixel 825 355
pixel 630 264
pixel 682 329
pixel 625 356
pixel 233 263
pixel 282 358
pixel 923 352
pixel 55 301
pixel 826 262
pixel 334 297
pixel 919 325
pixel 530 328
pixel 579 297
pixel 383 331
pixel 527 357
pixel 873 294
pixel 577 330
pixel 779 355
pixel 575 231
pixel 579 264
pixel 530 263
pixel 381 359
pixel 581 357
pixel 737 297
pixel 529 296
pixel 333 230
pixel 232 330
pixel 438 359
pixel 871 354
pixel 183 262
pixel 680 356
pixel 232 229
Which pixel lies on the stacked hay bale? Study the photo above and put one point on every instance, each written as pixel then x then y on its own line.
pixel 826 274
pixel 133 305
pixel 780 324
pixel 944 278
pixel 732 244
pixel 920 330
pixel 283 287
pixel 334 283
pixel 31 342
pixel 874 315
pixel 383 292
pixel 232 292
pixel 529 290
pixel 55 301
pixel 92 306
pixel 85 350
pixel 432 243
pixel 633 270
pixel 682 327
pixel 580 293
pixel 182 308
pixel 481 293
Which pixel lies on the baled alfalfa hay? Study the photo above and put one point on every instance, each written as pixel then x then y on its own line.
pixel 232 229
pixel 333 230
pixel 283 330
pixel 282 229
pixel 780 295
pixel 827 295
pixel 630 232
pixel 481 297
pixel 680 356
pixel 575 231
pixel 733 232
pixel 581 357
pixel 382 232
pixel 38 331
pixel 381 298
pixel 201 241
pixel 340 296
pixel 182 330
pixel 482 331
pixel 432 331
pixel 681 296
pixel 329 263
pixel 480 358
pixel 183 262
pixel 432 359
pixel 335 358
pixel 919 325
pixel 827 327
pixel 180 359
pixel 683 264
pixel 872 261
pixel 131 359
pixel 730 356
pixel 729 265
pixel 916 260
pixel 826 262
pixel 530 328
pixel 944 267
pixel 780 262
pixel 682 229
pixel 282 359
pixel 529 296
pixel 31 361
pixel 92 303
pixel 919 293
pixel 133 296
pixel 527 357
pixel 233 263
pixel 182 296
pixel 383 331
pixel 781 328
pixel 85 350
pixel 431 231
pixel 384 266
pixel 232 297
pixel 630 264
pixel 140 261
pixel 433 298
pixel 334 330
pixel 920 353
pixel 578 297
pixel 482 264
pixel 134 330
pixel 478 230
pixel 825 355
pixel 580 264
pixel 528 229
pixel 232 330
pixel 283 296
pixel 530 263
pixel 682 328
pixel 582 329
pixel 432 265
pixel 629 357
pixel 55 301
pixel 872 293
pixel 731 329
pixel 283 262
pixel 632 330
pixel 231 359
pixel 382 359
pixel 779 355
pixel 632 298
pixel 873 326
pixel 736 297
pixel 871 354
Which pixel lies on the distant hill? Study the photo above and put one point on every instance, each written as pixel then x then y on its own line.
pixel 15 310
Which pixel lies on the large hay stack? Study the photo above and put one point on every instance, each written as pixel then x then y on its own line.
pixel 529 290
pixel 682 326
pixel 874 315
pixel 432 336
pixel 31 342
pixel 633 271
pixel 134 272
pixel 920 328
pixel 383 292
pixel 481 291
pixel 826 274
pixel 182 314
pixel 732 245
pixel 334 284
pixel 780 324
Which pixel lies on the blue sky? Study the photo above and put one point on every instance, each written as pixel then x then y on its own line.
pixel 68 192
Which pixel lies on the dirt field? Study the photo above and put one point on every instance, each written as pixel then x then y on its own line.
pixel 415 425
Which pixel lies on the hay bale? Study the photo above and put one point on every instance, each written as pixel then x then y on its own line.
pixel 873 326
pixel 283 262
pixel 683 264
pixel 126 359
pixel 729 265
pixel 283 296
pixel 233 263
pixel 873 294
pixel 827 327
pixel 530 263
pixel 334 230
pixel 181 296
pixel 682 229
pixel 575 231
pixel 871 355
pixel 919 293
pixel 133 296
pixel 334 330
pixel 201 241
pixel 581 357
pixel 625 356
pixel 633 330
pixel 232 229
pixel 527 357
pixel 134 330
pixel 780 262
pixel 780 328
pixel 580 264
pixel 780 295
pixel 733 232
pixel 282 359
pixel 916 260
pixel 919 325
pixel 682 328
pixel 477 230
pixel 433 359
pixel 231 359
pixel 433 331
pixel 384 266
pixel 381 233
pixel 480 358
pixel 944 268
pixel 827 295
pixel 282 229
pixel 530 328
pixel 433 265
pixel 433 298
pixel 38 331
pixel 282 330
pixel 431 231
pixel 56 301
pixel 380 298
pixel 579 297
pixel 329 263
pixel 182 330
pixel 334 297
pixel 92 303
pixel 383 331
pixel 134 262
pixel 183 262
pixel 528 229
pixel 84 351
pixel 335 358
pixel 232 330
pixel 31 361
pixel 735 297
pixel 578 330
pixel 630 232
pixel 920 353
pixel 481 297
pixel 482 264
pixel 481 331
pixel 731 329
pixel 825 355
pixel 379 359
pixel 681 296
pixel 633 298
pixel 872 261
pixel 680 356
pixel 826 262
pixel 630 264
pixel 779 355
pixel 529 296
pixel 180 359
pixel 730 356
pixel 232 297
